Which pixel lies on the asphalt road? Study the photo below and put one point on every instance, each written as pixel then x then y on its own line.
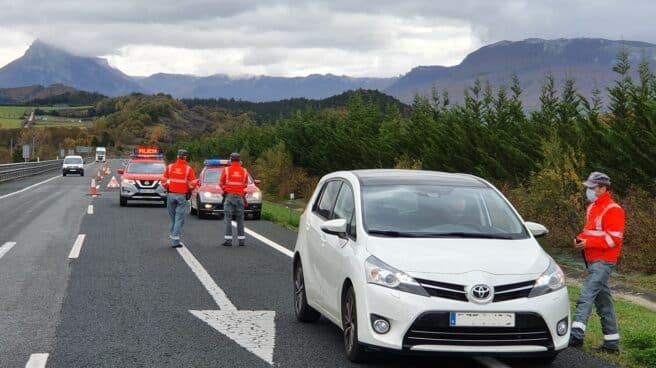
pixel 129 300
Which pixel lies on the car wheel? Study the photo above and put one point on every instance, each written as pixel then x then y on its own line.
pixel 123 201
pixel 82 173
pixel 302 309
pixel 257 215
pixel 64 173
pixel 355 352
pixel 192 210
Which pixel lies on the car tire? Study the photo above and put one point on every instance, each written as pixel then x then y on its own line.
pixel 64 173
pixel 82 173
pixel 257 215
pixel 302 309
pixel 192 211
pixel 123 201
pixel 355 351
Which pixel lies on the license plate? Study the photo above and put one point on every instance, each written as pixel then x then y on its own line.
pixel 473 319
pixel 147 191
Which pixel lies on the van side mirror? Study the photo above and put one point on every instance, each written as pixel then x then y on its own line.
pixel 335 227
pixel 120 171
pixel 538 230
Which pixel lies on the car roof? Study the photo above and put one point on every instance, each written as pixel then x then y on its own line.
pixel 73 156
pixel 398 176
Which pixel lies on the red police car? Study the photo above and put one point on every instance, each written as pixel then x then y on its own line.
pixel 207 198
pixel 140 179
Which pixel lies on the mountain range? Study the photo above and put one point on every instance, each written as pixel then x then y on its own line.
pixel 587 60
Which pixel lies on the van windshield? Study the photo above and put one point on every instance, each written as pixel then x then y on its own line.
pixel 439 211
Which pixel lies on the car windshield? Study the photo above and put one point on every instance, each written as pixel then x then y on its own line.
pixel 146 168
pixel 211 177
pixel 72 160
pixel 439 211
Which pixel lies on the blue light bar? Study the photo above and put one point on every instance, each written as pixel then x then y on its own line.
pixel 216 162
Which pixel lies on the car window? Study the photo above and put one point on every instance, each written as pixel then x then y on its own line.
pixel 345 208
pixel 211 176
pixel 73 160
pixel 326 202
pixel 146 168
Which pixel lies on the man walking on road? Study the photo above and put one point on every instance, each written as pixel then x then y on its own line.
pixel 601 242
pixel 179 179
pixel 233 181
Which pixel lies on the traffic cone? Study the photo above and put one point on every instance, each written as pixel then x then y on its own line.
pixel 113 183
pixel 99 176
pixel 93 190
pixel 107 172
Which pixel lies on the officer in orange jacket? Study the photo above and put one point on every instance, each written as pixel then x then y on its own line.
pixel 233 181
pixel 179 180
pixel 601 242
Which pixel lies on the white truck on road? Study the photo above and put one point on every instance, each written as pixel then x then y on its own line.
pixel 100 154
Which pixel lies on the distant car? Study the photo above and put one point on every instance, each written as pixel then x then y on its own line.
pixel 427 262
pixel 73 165
pixel 207 198
pixel 140 179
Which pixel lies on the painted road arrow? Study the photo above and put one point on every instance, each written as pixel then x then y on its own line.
pixel 253 330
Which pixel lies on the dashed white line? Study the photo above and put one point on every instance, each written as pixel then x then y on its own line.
pixel 490 362
pixel 6 247
pixel 90 210
pixel 267 241
pixel 77 247
pixel 37 360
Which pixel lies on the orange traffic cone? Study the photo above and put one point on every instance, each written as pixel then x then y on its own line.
pixel 113 183
pixel 99 176
pixel 93 189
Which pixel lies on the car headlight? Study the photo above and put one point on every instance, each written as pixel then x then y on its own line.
pixel 379 273
pixel 257 196
pixel 551 280
pixel 209 195
pixel 128 181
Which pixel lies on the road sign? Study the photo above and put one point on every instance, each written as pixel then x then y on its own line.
pixel 71 152
pixel 26 152
pixel 62 153
pixel 83 149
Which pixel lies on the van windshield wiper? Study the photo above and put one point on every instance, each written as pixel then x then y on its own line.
pixel 393 234
pixel 464 235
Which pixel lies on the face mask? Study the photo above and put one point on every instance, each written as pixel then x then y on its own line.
pixel 592 196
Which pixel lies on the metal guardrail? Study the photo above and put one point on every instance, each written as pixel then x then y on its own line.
pixel 23 169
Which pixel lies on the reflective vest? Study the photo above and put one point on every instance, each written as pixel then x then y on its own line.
pixel 234 179
pixel 179 178
pixel 603 230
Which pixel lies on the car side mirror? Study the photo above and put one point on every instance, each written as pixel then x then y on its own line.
pixel 120 171
pixel 335 227
pixel 257 181
pixel 538 230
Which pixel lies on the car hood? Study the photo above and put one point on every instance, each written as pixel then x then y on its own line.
pixel 211 188
pixel 457 256
pixel 135 176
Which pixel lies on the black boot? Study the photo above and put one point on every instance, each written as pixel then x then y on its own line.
pixel 575 342
pixel 227 243
pixel 607 350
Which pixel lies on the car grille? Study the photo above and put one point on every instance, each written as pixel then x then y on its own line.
pixel 147 184
pixel 457 292
pixel 433 329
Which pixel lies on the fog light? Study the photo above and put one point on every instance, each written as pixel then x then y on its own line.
pixel 561 327
pixel 380 324
pixel 208 206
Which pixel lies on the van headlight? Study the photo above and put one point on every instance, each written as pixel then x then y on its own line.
pixel 551 280
pixel 379 273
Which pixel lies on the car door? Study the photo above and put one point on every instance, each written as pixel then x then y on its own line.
pixel 334 252
pixel 321 211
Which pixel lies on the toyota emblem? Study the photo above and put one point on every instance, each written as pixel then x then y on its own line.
pixel 480 293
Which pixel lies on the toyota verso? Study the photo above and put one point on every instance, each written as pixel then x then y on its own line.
pixel 427 262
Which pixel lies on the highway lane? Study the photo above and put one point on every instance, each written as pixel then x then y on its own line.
pixel 126 300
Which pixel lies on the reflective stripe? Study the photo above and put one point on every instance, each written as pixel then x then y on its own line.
pixel 599 219
pixel 174 237
pixel 617 234
pixel 228 237
pixel 612 337
pixel 579 325
pixel 610 241
pixel 594 232
pixel 241 237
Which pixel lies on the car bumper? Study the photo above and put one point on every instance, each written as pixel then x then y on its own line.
pixel 73 170
pixel 410 313
pixel 217 208
pixel 132 192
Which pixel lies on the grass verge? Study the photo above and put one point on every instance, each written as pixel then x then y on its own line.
pixel 637 329
pixel 281 215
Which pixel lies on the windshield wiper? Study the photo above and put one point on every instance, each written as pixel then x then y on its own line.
pixel 464 235
pixel 393 234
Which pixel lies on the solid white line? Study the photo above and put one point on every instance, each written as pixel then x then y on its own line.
pixel 28 188
pixel 267 241
pixel 90 210
pixel 37 360
pixel 215 291
pixel 6 247
pixel 490 362
pixel 77 247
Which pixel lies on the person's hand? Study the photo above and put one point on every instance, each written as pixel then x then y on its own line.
pixel 579 243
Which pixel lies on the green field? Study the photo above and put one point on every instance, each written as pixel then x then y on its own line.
pixel 11 117
pixel 13 112
pixel 9 123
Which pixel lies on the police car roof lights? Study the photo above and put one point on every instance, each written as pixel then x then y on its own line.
pixel 216 162
pixel 147 152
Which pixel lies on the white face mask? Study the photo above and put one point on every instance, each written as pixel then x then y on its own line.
pixel 592 196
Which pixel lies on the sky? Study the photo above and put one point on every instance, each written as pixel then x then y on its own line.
pixel 375 38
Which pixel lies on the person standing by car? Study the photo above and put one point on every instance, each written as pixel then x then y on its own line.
pixel 179 180
pixel 601 241
pixel 233 181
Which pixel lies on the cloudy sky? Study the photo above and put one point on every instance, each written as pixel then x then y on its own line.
pixel 298 37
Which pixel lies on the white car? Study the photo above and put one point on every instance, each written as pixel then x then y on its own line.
pixel 421 261
pixel 73 165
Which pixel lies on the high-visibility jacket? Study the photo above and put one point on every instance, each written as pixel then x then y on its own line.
pixel 234 179
pixel 179 177
pixel 603 230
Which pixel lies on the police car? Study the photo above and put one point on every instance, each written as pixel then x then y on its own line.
pixel 207 198
pixel 140 179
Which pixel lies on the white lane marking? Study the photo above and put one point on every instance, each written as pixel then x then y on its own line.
pixel 267 241
pixel 490 362
pixel 6 247
pixel 90 210
pixel 215 291
pixel 77 247
pixel 28 188
pixel 37 360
